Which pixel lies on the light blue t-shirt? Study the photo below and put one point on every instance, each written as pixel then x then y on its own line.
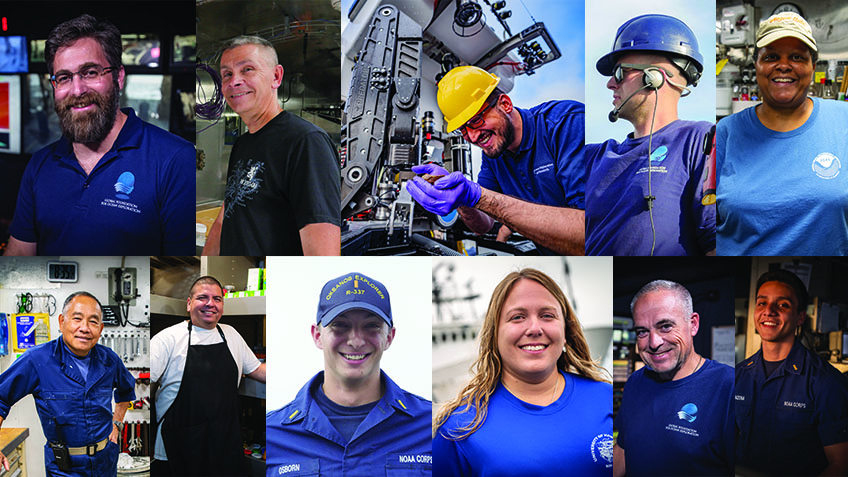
pixel 570 437
pixel 783 193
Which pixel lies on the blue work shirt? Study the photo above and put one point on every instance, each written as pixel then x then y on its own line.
pixel 394 439
pixel 548 167
pixel 138 200
pixel 81 407
pixel 784 421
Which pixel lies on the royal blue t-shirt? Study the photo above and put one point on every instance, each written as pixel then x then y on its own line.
pixel 618 221
pixel 683 427
pixel 570 437
pixel 548 166
pixel 138 200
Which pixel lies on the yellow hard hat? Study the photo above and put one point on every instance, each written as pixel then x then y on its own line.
pixel 462 92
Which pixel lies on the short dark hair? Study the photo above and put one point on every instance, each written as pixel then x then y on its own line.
pixel 205 280
pixel 85 26
pixel 788 278
pixel 85 294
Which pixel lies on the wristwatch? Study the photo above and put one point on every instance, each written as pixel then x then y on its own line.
pixel 119 424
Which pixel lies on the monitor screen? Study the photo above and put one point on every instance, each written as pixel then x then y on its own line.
pixel 845 344
pixel 13 54
pixel 10 114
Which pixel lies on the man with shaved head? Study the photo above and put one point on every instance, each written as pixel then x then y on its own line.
pixel 676 416
pixel 283 194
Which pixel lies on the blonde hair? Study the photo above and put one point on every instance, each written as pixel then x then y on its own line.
pixel 575 357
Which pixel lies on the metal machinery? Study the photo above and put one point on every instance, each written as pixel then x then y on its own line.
pixel 394 55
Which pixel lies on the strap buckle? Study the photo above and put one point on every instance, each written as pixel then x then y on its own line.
pixel 91 449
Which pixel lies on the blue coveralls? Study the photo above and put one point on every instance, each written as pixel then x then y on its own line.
pixel 82 408
pixel 785 420
pixel 394 439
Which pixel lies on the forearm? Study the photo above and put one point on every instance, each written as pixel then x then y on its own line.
pixel 16 247
pixel 476 220
pixel 120 411
pixel 213 238
pixel 321 239
pixel 557 228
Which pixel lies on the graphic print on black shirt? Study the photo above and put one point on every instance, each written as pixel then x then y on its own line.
pixel 243 184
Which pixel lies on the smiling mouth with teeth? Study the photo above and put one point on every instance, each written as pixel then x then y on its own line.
pixel 354 357
pixel 533 347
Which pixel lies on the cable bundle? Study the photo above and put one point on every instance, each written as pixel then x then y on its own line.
pixel 212 109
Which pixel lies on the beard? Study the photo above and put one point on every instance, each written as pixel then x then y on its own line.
pixel 503 136
pixel 89 127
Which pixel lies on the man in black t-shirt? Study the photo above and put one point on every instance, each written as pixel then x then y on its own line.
pixel 283 189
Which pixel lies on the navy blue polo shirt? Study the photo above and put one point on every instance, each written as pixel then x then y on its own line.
pixel 548 167
pixel 393 439
pixel 138 200
pixel 785 420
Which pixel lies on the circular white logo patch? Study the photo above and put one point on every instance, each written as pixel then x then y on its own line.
pixel 826 165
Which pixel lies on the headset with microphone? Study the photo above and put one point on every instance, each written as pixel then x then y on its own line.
pixel 653 77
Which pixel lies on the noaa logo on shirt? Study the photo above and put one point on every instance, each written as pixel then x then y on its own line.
pixel 826 165
pixel 659 154
pixel 125 185
pixel 602 449
pixel 688 412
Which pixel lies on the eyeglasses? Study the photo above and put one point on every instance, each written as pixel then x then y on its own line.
pixel 477 120
pixel 89 75
pixel 622 68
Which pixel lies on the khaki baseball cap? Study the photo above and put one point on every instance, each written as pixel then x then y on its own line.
pixel 782 25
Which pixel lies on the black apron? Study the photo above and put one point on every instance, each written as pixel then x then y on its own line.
pixel 201 430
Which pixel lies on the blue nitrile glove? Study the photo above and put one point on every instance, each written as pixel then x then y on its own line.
pixel 452 191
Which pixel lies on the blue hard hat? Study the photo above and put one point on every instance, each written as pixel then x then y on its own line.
pixel 656 33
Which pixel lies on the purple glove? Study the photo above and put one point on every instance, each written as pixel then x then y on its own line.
pixel 452 191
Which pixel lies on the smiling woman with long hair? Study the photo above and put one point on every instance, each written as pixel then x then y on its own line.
pixel 537 403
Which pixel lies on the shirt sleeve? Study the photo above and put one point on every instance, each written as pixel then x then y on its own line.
pixel 159 354
pixel 177 199
pixel 569 138
pixel 23 225
pixel 124 383
pixel 313 181
pixel 16 382
pixel 486 177
pixel 448 459
pixel 249 361
pixel 704 216
pixel 832 410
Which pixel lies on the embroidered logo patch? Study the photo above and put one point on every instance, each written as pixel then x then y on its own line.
pixel 125 185
pixel 659 154
pixel 826 165
pixel 688 412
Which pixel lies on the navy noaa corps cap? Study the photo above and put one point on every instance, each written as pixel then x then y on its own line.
pixel 353 291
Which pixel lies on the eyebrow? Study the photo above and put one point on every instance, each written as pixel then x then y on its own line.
pixel 780 297
pixel 240 63
pixel 83 66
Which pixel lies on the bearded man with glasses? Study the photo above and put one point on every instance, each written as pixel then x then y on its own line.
pixel 532 174
pixel 112 184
